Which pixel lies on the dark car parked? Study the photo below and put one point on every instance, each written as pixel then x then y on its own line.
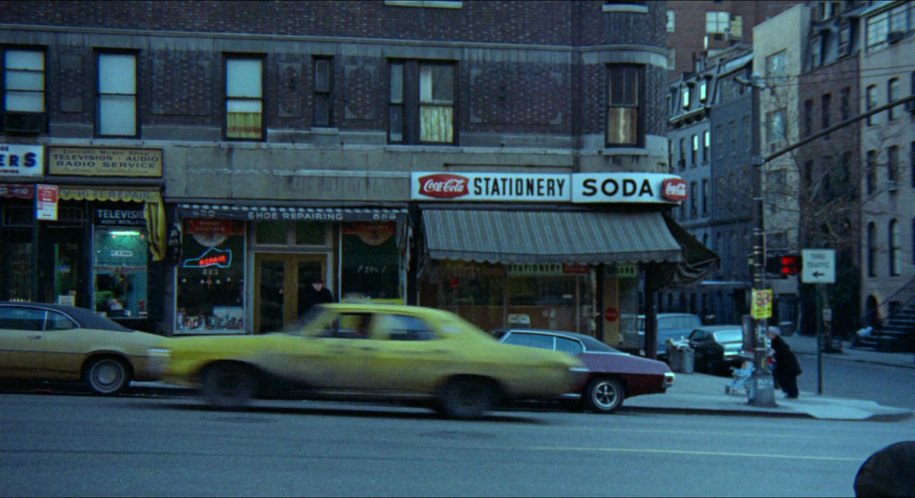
pixel 717 347
pixel 613 375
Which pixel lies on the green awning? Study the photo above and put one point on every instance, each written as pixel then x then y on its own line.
pixel 519 236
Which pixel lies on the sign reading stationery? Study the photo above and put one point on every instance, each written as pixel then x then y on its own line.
pixel 92 161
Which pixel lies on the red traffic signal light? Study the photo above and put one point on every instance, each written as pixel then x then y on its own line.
pixel 790 264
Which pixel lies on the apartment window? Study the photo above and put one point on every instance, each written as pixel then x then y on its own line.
pixel 687 96
pixel 816 52
pixel 892 164
pixel 706 144
pixel 878 28
pixel 776 67
pixel 826 101
pixel 670 155
pixel 244 98
pixel 719 135
pixel 895 256
pixel 682 153
pixel 845 103
pixel 871 102
pixel 892 95
pixel 23 81
pixel 871 173
pixel 625 89
pixel 693 202
pixel 871 250
pixel 117 95
pixel 732 131
pixel 323 87
pixel 694 153
pixel 671 21
pixel 775 126
pixel 705 194
pixel 717 22
pixel 421 109
pixel 703 90
pixel 808 174
pixel 808 117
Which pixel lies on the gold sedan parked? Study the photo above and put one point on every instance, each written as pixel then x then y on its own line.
pixel 53 342
pixel 377 351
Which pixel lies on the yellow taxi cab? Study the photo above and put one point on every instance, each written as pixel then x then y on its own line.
pixel 375 350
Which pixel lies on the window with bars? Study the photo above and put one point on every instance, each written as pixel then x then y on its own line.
pixel 117 95
pixel 244 98
pixel 625 87
pixel 421 105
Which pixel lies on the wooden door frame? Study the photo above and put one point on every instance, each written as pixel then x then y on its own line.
pixel 290 281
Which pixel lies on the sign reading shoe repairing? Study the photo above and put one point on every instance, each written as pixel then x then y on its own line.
pixel 548 187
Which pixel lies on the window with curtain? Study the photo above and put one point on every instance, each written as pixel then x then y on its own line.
pixel 23 81
pixel 624 97
pixel 117 95
pixel 421 103
pixel 244 98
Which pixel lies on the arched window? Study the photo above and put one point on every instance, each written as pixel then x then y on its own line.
pixel 893 242
pixel 871 250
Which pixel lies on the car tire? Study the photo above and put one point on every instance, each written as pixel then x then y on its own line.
pixel 228 385
pixel 107 376
pixel 603 395
pixel 466 398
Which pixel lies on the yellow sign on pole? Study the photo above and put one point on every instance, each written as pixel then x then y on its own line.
pixel 762 304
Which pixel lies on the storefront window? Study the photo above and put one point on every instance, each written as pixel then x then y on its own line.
pixel 371 262
pixel 120 271
pixel 210 287
pixel 120 267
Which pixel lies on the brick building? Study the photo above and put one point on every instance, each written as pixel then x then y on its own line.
pixel 506 160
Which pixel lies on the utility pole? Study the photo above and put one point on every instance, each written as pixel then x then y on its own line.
pixel 762 389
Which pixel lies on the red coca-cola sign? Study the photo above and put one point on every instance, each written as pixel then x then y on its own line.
pixel 674 189
pixel 443 186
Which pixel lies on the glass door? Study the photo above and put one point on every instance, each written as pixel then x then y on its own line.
pixel 279 280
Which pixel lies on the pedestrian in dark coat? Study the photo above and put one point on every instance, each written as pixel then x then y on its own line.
pixel 314 294
pixel 787 367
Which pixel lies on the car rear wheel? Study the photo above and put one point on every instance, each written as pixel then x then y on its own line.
pixel 107 376
pixel 604 395
pixel 466 398
pixel 228 385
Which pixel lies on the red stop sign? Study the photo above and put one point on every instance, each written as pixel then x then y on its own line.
pixel 611 314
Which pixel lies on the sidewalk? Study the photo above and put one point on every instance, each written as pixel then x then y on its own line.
pixel 701 393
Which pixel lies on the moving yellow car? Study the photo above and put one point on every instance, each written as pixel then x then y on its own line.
pixel 382 351
pixel 52 342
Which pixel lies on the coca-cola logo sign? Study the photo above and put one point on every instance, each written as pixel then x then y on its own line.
pixel 674 189
pixel 443 186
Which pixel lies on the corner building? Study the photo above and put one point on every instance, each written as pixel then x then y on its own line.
pixel 294 138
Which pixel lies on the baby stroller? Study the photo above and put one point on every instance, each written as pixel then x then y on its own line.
pixel 740 379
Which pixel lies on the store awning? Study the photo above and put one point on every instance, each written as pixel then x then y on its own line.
pixel 289 213
pixel 517 236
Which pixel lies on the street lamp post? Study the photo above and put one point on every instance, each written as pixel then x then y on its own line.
pixel 762 389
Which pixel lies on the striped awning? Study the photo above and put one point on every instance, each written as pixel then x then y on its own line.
pixel 584 237
pixel 289 213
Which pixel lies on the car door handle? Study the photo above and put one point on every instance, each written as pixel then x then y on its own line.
pixel 34 337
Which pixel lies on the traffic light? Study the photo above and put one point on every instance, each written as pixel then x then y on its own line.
pixel 783 265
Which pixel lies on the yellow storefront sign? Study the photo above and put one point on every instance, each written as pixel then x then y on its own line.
pixel 762 304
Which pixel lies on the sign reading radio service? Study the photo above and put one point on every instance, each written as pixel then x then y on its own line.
pixel 548 187
pixel 90 161
pixel 21 160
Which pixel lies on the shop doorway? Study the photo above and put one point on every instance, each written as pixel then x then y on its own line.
pixel 61 277
pixel 279 279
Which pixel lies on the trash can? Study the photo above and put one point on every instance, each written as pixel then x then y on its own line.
pixel 682 359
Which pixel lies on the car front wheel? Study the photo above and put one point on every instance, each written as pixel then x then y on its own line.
pixel 228 385
pixel 603 395
pixel 466 398
pixel 107 376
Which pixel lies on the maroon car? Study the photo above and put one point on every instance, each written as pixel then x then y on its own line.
pixel 614 375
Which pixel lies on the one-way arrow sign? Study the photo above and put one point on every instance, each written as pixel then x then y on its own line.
pixel 818 266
